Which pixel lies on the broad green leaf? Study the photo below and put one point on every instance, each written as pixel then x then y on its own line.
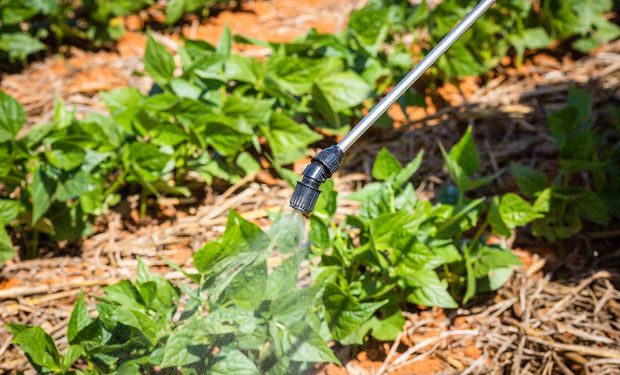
pixel 9 209
pixel 79 318
pixel 385 166
pixel 176 352
pixel 247 289
pixel 591 207
pixel 391 325
pixel 12 117
pixel 175 10
pixel 496 220
pixel 42 191
pixel 184 89
pixel 224 45
pixel 158 62
pixel 369 24
pixel 324 108
pixel 302 344
pixel 242 69
pixel 344 90
pixel 296 75
pixel 516 212
pixel 76 186
pixel 328 200
pixel 426 288
pixel 409 170
pixel 529 180
pixel 40 348
pixel 19 45
pixel 6 247
pixel 465 153
pixel 288 139
pixel 226 135
pixel 71 355
pixel 344 314
pixel 294 305
pixel 66 155
pixel 233 362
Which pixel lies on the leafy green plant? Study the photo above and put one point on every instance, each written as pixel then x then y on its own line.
pixel 236 316
pixel 588 180
pixel 29 26
pixel 221 113
pixel 400 249
pixel 390 33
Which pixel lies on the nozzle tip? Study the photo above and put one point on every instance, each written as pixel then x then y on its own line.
pixel 304 198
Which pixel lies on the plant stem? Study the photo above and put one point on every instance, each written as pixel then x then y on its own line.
pixel 33 249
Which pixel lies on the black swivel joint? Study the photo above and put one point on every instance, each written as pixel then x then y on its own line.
pixel 308 189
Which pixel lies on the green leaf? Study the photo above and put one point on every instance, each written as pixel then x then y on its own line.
pixel 184 89
pixel 465 153
pixel 79 318
pixel 71 355
pixel 224 45
pixel 66 155
pixel 344 315
pixel 324 108
pixel 530 180
pixel 388 328
pixel 240 241
pixel 516 212
pixel 6 247
pixel 408 170
pixel 294 305
pixel 40 348
pixel 9 209
pixel 176 352
pixel 385 166
pixel 369 24
pixel 175 10
pixel 42 191
pixel 591 207
pixel 76 186
pixel 302 344
pixel 344 90
pixel 12 117
pixel 242 69
pixel 19 45
pixel 456 172
pixel 233 362
pixel 495 219
pixel 226 135
pixel 288 139
pixel 158 62
pixel 428 289
pixel 542 203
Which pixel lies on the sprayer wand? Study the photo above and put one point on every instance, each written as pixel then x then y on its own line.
pixel 327 161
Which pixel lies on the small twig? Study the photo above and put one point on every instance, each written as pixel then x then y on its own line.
pixel 586 350
pixel 393 349
pixel 565 370
pixel 609 293
pixel 403 357
pixel 567 298
pixel 516 364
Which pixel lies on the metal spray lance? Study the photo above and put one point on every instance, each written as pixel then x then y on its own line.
pixel 327 161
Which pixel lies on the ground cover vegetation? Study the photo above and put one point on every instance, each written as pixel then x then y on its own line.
pixel 29 27
pixel 224 111
pixel 238 314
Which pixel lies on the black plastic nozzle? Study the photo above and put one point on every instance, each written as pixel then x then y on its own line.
pixel 308 189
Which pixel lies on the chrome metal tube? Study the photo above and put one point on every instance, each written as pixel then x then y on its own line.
pixel 414 74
